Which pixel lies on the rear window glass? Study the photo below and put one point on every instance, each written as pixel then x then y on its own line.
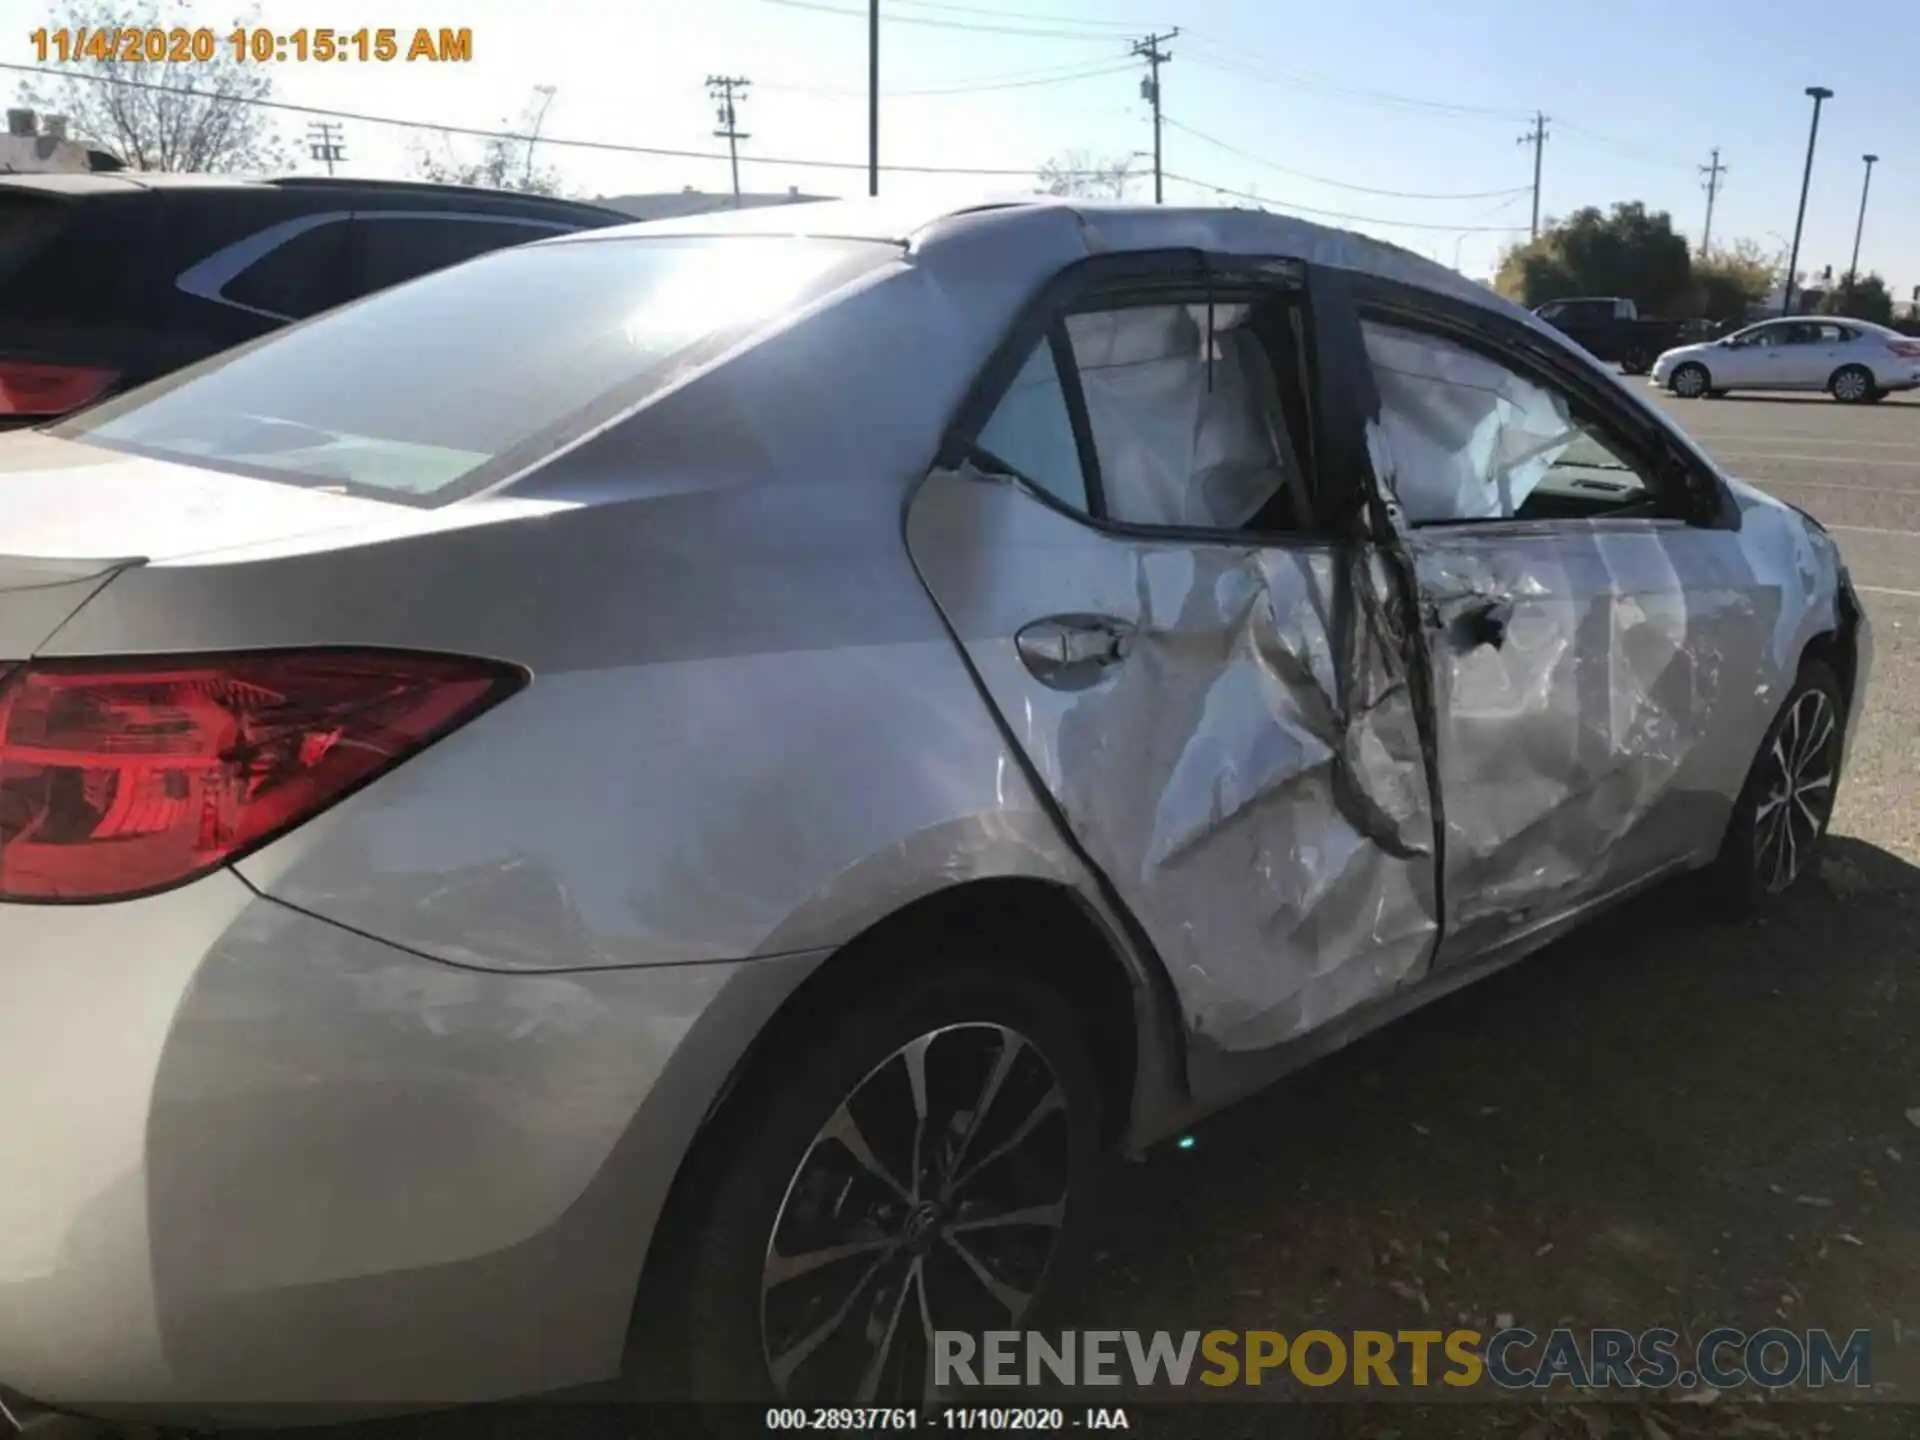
pixel 27 223
pixel 444 385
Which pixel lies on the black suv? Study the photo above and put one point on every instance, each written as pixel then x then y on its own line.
pixel 108 280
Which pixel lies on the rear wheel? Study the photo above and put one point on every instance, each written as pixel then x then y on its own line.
pixel 1783 809
pixel 1690 381
pixel 918 1163
pixel 1637 362
pixel 1852 385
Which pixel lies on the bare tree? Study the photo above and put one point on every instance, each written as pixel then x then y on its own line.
pixel 502 162
pixel 1081 173
pixel 198 117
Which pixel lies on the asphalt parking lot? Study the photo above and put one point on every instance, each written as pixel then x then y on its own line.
pixel 1670 1120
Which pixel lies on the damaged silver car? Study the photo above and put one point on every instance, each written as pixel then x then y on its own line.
pixel 752 749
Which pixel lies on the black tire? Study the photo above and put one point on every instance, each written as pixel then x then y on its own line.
pixel 1852 385
pixel 1637 362
pixel 1690 381
pixel 1776 827
pixel 783 1180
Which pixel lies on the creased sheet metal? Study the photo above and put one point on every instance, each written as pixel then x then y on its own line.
pixel 1253 792
pixel 1574 755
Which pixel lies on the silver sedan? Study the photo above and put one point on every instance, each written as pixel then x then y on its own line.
pixel 1854 361
pixel 753 749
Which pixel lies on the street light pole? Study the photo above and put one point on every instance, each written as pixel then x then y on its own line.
pixel 873 97
pixel 1861 224
pixel 1820 94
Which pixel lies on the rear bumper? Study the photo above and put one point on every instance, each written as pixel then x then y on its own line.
pixel 250 1159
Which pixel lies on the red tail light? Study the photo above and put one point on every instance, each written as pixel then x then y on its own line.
pixel 1906 349
pixel 48 389
pixel 118 778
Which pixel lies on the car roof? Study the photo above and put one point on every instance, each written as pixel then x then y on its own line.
pixel 1106 226
pixel 120 182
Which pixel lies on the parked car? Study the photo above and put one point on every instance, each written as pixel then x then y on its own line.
pixel 1611 329
pixel 1855 361
pixel 109 280
pixel 759 746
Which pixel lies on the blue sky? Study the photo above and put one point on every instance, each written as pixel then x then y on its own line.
pixel 1379 95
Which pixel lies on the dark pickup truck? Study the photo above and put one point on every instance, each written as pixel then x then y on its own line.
pixel 1610 328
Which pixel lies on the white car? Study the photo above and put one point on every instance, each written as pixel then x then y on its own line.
pixel 1855 361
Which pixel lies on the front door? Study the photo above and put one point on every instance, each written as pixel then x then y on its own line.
pixel 1582 632
pixel 1129 535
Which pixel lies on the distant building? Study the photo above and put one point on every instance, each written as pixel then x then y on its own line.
pixel 37 146
pixel 674 204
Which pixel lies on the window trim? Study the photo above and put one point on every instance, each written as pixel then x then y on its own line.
pixel 1693 495
pixel 1185 276
pixel 208 277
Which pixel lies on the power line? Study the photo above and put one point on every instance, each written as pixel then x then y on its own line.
pixel 1252 66
pixel 1648 153
pixel 1058 75
pixel 609 146
pixel 1342 184
pixel 1340 215
pixel 1054 19
pixel 1031 34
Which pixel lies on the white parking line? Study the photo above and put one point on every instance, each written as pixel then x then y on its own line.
pixel 1888 590
pixel 1768 483
pixel 1756 436
pixel 1821 459
pixel 1873 530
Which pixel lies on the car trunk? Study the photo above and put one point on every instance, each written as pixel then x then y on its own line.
pixel 73 515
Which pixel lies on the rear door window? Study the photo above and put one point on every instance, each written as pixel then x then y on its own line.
pixel 300 277
pixel 387 249
pixel 28 224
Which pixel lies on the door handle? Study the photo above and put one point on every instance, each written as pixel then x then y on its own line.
pixel 1073 652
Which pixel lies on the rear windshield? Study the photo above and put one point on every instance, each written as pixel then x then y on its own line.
pixel 27 223
pixel 444 385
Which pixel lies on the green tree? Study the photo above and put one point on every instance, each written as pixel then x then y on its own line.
pixel 1729 282
pixel 1630 251
pixel 1869 300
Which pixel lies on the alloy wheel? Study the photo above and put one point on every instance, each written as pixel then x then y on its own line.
pixel 1689 382
pixel 1796 793
pixel 933 1198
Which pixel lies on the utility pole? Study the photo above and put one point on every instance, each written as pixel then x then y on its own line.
pixel 1149 50
pixel 1536 137
pixel 546 93
pixel 873 97
pixel 1820 95
pixel 723 89
pixel 1860 225
pixel 1713 173
pixel 325 142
